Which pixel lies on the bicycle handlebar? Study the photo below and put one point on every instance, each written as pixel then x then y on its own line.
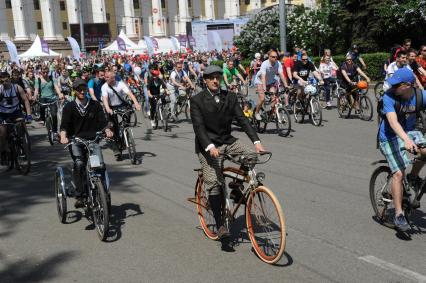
pixel 76 140
pixel 247 159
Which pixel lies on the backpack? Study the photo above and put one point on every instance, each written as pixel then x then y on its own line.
pixel 420 114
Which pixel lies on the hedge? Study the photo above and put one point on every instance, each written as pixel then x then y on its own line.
pixel 374 62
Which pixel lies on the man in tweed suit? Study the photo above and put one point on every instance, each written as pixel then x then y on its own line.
pixel 212 113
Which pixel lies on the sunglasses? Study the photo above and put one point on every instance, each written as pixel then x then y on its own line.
pixel 304 59
pixel 273 57
pixel 81 89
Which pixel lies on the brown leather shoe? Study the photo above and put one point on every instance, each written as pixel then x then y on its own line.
pixel 225 239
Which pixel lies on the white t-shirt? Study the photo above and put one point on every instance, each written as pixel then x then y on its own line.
pixel 178 77
pixel 121 89
pixel 270 72
pixel 392 68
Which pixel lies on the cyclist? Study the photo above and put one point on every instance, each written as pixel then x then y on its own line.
pixel 212 113
pixel 63 83
pixel 356 56
pixel 229 73
pixel 302 70
pixel 266 79
pixel 95 85
pixel 179 80
pixel 114 97
pixel 81 118
pixel 16 78
pixel 154 84
pixel 350 71
pixel 421 59
pixel 398 130
pixel 255 66
pixel 400 62
pixel 327 68
pixel 11 98
pixel 418 70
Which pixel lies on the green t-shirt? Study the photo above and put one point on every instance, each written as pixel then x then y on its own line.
pixel 229 74
pixel 47 89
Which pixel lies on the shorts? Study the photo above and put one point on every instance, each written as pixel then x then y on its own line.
pixel 11 116
pixel 398 159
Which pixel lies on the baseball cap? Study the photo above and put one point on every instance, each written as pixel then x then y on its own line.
pixel 211 70
pixel 403 75
pixel 79 82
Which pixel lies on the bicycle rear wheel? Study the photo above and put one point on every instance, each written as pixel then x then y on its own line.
pixel 165 114
pixel 366 107
pixel 283 122
pixel 187 110
pixel 61 198
pixel 49 128
pixel 133 119
pixel 315 112
pixel 205 214
pixel 380 196
pixel 343 107
pixel 131 145
pixel 321 97
pixel 100 210
pixel 265 225
pixel 23 153
pixel 298 112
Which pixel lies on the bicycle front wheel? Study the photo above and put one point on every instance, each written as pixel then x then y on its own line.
pixel 298 112
pixel 205 214
pixel 366 108
pixel 131 147
pixel 100 210
pixel 61 198
pixel 380 196
pixel 322 98
pixel 283 122
pixel 23 153
pixel 378 90
pixel 316 113
pixel 165 113
pixel 49 128
pixel 343 107
pixel 265 225
pixel 187 111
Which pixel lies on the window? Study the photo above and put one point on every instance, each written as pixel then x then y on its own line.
pixel 36 4
pixel 247 2
pixel 263 1
pixel 189 3
pixel 38 25
pixel 136 4
pixel 8 4
pixel 108 17
pixel 64 25
pixel 163 4
pixel 62 5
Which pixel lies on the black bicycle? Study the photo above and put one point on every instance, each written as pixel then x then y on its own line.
pixel 309 105
pixel 19 156
pixel 162 112
pixel 182 103
pixel 125 139
pixel 381 194
pixel 49 121
pixel 97 197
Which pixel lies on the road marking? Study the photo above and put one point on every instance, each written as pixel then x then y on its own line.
pixel 394 268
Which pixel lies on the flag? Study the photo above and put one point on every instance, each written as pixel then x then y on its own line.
pixel 175 43
pixel 121 44
pixel 154 42
pixel 182 40
pixel 149 45
pixel 75 48
pixel 13 53
pixel 44 46
pixel 191 40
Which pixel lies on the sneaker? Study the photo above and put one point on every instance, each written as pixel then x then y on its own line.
pixel 225 239
pixel 148 113
pixel 152 123
pixel 118 157
pixel 328 104
pixel 401 223
pixel 258 117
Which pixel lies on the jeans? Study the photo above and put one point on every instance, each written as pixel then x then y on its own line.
pixel 173 92
pixel 79 156
pixel 327 84
pixel 145 94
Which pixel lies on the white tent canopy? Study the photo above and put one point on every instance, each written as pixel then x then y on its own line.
pixel 36 51
pixel 131 47
pixel 165 45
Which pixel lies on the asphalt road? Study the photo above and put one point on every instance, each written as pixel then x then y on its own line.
pixel 319 174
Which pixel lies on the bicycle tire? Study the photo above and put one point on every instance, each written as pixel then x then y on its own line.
pixel 322 98
pixel 380 207
pixel 365 103
pixel 165 121
pixel 100 210
pixel 187 110
pixel 283 122
pixel 316 113
pixel 35 111
pixel 22 149
pixel 205 215
pixel 268 254
pixel 343 107
pixel 133 122
pixel 298 112
pixel 61 198
pixel 49 127
pixel 131 145
pixel 378 90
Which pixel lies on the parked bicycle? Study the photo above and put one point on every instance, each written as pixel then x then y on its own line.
pixel 309 105
pixel 125 139
pixel 381 194
pixel 264 217
pixel 273 111
pixel 97 197
pixel 19 156
pixel 346 102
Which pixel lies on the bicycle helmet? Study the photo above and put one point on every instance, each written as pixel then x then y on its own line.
pixel 310 89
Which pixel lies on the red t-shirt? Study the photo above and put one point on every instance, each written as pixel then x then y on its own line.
pixel 288 62
pixel 422 62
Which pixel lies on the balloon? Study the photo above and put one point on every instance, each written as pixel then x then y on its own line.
pixel 137 71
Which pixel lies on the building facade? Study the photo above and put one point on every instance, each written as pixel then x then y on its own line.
pixel 22 20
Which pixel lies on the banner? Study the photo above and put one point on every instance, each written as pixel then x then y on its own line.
pixel 154 42
pixel 121 44
pixel 75 48
pixel 149 45
pixel 44 46
pixel 191 40
pixel 175 43
pixel 182 40
pixel 13 53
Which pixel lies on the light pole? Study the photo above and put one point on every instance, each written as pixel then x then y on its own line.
pixel 283 37
pixel 83 47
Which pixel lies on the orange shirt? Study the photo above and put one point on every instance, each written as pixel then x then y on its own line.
pixel 422 62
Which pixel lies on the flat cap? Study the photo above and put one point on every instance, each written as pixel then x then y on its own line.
pixel 79 82
pixel 212 69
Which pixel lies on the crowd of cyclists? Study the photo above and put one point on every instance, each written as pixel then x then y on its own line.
pixel 117 81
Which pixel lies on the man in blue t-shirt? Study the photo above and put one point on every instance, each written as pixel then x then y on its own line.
pixel 95 85
pixel 398 130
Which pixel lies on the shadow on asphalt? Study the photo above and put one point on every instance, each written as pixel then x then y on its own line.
pixel 34 270
pixel 117 219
